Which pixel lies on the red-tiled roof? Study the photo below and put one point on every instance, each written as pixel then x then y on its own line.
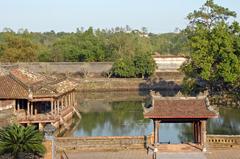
pixel 19 83
pixel 26 77
pixel 10 88
pixel 179 109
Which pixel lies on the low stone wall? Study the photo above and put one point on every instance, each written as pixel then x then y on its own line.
pixel 100 143
pixel 223 141
pixel 64 67
pixel 125 84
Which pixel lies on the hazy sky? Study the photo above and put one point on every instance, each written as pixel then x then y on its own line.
pixel 66 15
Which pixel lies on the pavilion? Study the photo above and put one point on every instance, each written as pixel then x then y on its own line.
pixel 180 109
pixel 37 99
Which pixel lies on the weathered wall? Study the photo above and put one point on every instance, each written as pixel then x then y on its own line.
pixel 64 67
pixel 100 143
pixel 168 63
pixel 164 64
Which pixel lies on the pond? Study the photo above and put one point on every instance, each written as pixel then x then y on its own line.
pixel 121 114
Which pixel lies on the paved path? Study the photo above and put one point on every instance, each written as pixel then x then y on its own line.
pixel 141 154
pixel 224 154
pixel 128 154
pixel 181 155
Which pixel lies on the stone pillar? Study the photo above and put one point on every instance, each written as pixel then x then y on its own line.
pixel 204 135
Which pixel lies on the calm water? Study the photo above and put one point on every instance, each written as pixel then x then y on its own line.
pixel 122 115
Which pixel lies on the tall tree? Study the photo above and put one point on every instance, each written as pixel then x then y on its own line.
pixel 214 60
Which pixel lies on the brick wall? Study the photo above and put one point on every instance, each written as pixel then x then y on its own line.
pixel 100 143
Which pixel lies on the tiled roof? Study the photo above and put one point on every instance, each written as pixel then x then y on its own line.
pixel 10 88
pixel 179 108
pixel 3 72
pixel 26 77
pixel 19 83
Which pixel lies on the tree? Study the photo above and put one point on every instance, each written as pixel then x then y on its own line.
pixel 214 58
pixel 16 139
pixel 15 48
pixel 144 65
pixel 124 67
pixel 210 14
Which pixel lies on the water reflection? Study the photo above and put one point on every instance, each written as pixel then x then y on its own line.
pixel 118 117
pixel 227 123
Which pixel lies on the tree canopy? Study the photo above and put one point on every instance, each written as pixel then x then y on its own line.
pixel 214 50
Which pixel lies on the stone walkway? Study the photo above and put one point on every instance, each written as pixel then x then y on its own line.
pixel 181 155
pixel 141 154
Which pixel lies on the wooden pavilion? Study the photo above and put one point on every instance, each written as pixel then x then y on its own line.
pixel 38 99
pixel 180 109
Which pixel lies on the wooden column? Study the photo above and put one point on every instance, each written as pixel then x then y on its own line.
pixel 52 107
pixel 35 108
pixel 65 99
pixel 28 108
pixel 73 94
pixel 31 105
pixel 71 101
pixel 194 132
pixel 158 130
pixel 58 106
pixel 199 132
pixel 204 135
pixel 155 123
pixel 62 103
pixel 18 105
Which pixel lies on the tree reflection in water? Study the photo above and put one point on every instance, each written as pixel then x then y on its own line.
pixel 125 118
pixel 227 123
pixel 103 118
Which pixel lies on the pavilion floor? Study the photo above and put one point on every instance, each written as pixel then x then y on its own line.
pixel 186 147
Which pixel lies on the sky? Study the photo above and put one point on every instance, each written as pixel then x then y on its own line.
pixel 159 16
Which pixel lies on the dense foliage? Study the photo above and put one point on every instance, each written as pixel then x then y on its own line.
pixel 85 45
pixel 214 50
pixel 121 45
pixel 16 139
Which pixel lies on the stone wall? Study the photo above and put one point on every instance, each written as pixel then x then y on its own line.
pixel 169 63
pixel 100 143
pixel 64 67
